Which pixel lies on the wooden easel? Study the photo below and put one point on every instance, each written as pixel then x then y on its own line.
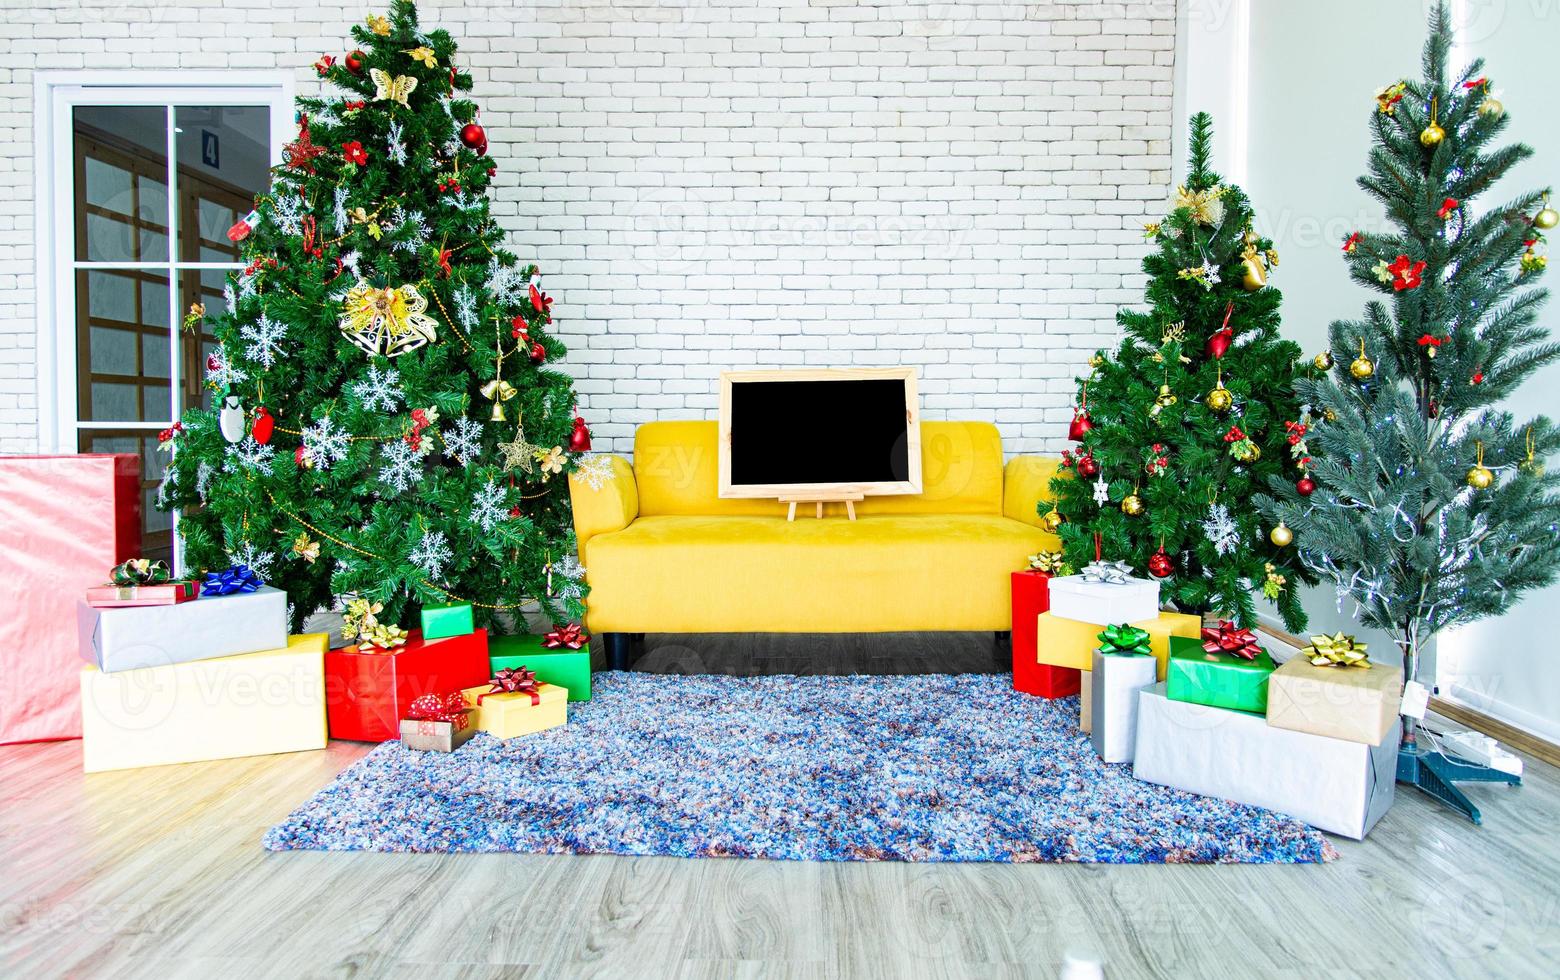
pixel 849 500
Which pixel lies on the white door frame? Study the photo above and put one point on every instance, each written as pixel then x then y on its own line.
pixel 55 96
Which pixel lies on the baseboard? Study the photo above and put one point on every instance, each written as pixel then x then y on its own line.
pixel 1456 707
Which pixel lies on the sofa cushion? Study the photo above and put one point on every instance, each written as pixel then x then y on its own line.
pixel 676 468
pixel 701 574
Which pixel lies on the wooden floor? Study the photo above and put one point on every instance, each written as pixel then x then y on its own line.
pixel 159 873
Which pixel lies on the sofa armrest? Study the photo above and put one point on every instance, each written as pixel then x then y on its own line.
pixel 604 497
pixel 1026 481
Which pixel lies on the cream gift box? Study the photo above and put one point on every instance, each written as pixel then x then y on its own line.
pixel 1115 683
pixel 202 629
pixel 249 704
pixel 1337 786
pixel 1352 703
pixel 1104 602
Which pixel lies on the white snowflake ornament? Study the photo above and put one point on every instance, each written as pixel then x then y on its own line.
pixel 326 443
pixel 431 554
pixel 487 507
pixel 401 466
pixel 265 338
pixel 1221 530
pixel 463 441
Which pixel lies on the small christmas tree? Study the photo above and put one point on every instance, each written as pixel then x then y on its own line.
pixel 1432 509
pixel 1191 415
pixel 388 426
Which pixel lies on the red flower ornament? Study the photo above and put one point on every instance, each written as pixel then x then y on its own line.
pixel 354 152
pixel 1406 273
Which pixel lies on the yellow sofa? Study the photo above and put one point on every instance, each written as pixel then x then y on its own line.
pixel 665 554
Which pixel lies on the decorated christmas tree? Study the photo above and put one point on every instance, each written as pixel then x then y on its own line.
pixel 388 424
pixel 1432 508
pixel 1191 415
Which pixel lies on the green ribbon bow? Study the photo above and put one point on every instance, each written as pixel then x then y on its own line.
pixel 1337 650
pixel 1124 640
pixel 140 571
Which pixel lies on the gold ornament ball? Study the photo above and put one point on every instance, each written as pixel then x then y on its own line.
pixel 1052 519
pixel 1220 399
pixel 1362 367
pixel 1432 135
pixel 1248 453
pixel 1132 505
pixel 1480 477
pixel 1281 536
pixel 1323 361
pixel 1532 467
pixel 1547 218
pixel 1492 107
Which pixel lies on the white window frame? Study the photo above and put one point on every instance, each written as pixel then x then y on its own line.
pixel 55 97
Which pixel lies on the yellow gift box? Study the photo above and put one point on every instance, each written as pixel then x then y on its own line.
pixel 248 704
pixel 1069 643
pixel 513 715
pixel 1355 704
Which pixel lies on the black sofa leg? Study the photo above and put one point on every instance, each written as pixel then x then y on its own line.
pixel 619 648
pixel 1004 642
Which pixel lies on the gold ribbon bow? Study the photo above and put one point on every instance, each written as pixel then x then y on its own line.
pixel 1049 562
pixel 1338 650
pixel 1204 207
pixel 383 636
pixel 359 617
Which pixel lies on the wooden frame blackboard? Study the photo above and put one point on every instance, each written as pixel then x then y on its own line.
pixel 819 434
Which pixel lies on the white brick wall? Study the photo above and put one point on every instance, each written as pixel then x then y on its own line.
pixel 713 184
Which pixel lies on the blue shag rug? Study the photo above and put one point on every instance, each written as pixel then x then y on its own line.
pixel 826 768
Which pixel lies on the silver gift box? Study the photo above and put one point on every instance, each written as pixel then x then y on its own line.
pixel 201 629
pixel 1115 683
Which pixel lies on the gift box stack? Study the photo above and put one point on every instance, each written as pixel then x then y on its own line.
pixel 436 686
pixel 186 671
pixel 1081 607
pixel 1314 738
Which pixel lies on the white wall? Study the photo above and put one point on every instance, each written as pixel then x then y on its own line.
pixel 710 184
pixel 1310 99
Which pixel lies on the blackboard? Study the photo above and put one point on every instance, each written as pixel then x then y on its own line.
pixel 853 431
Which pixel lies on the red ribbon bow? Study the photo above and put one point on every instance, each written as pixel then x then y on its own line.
pixel 1430 340
pixel 1447 207
pixel 1351 243
pixel 429 709
pixel 569 637
pixel 1234 640
pixel 520 680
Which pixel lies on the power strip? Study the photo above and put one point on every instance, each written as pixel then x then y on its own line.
pixel 1482 749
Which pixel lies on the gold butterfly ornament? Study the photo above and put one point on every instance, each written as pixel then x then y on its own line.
pixel 396 89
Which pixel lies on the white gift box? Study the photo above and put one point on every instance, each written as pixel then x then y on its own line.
pixel 1115 683
pixel 1104 604
pixel 1337 786
pixel 202 629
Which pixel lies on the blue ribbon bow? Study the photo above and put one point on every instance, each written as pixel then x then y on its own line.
pixel 236 580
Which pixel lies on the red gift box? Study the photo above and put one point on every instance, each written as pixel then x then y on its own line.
pixel 68 521
pixel 1031 597
pixel 122 597
pixel 368 690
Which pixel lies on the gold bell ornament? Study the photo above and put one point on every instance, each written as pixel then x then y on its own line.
pixel 499 391
pixel 1323 361
pixel 1281 536
pixel 1132 505
pixel 1432 134
pixel 1362 367
pixel 1163 400
pixel 1547 218
pixel 1532 466
pixel 1480 477
pixel 1053 519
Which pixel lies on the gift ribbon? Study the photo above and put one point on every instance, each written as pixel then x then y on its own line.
pixel 1107 572
pixel 430 709
pixel 1049 562
pixel 519 680
pixel 232 581
pixel 382 635
pixel 1338 650
pixel 140 571
pixel 569 637
pixel 1124 640
pixel 1234 640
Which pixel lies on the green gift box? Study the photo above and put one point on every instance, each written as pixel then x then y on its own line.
pixel 1219 680
pixel 566 668
pixel 454 619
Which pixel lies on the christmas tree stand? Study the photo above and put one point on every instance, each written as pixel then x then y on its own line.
pixel 1434 772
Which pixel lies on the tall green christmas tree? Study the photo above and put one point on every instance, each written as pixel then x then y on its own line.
pixel 388 423
pixel 1431 507
pixel 1191 415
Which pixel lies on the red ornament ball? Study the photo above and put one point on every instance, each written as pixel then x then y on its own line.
pixel 1305 486
pixel 1160 564
pixel 474 136
pixel 579 439
pixel 354 62
pixel 538 352
pixel 1088 466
